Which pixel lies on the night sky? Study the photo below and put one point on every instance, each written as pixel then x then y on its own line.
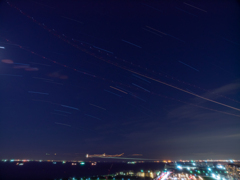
pixel 159 78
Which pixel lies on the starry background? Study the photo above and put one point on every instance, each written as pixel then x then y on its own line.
pixel 76 78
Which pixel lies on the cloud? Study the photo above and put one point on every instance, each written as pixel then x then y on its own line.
pixel 227 89
pixel 190 112
pixel 203 137
pixel 93 140
pixel 31 69
pixel 57 75
pixel 7 61
pixel 19 65
pixel 221 92
pixel 232 136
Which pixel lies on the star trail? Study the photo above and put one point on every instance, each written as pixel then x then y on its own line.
pixel 156 78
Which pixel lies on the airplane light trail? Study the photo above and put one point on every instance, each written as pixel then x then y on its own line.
pixel 63 124
pixel 140 87
pixel 69 107
pixel 194 7
pixel 180 89
pixel 188 66
pixel 141 78
pixel 109 62
pixel 118 90
pixel 42 79
pixel 92 116
pixel 131 43
pixel 59 114
pixel 97 106
pixel 62 111
pixel 103 155
pixel 140 159
pixel 34 92
pixel 102 49
pixel 72 19
pixel 11 75
pixel 152 32
pixel 112 93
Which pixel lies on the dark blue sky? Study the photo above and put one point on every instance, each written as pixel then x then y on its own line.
pixel 158 78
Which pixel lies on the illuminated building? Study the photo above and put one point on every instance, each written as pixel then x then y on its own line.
pixel 233 171
pixel 140 174
pixel 94 163
pixel 143 173
pixel 133 162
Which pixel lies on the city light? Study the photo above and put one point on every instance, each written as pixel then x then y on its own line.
pixel 165 176
pixel 211 170
pixel 220 167
pixel 179 167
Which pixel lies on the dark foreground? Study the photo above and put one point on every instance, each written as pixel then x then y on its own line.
pixel 48 170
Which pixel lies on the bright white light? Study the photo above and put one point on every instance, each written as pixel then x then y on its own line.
pixel 209 169
pixel 188 168
pixel 213 175
pixel 165 176
pixel 194 164
pixel 179 167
